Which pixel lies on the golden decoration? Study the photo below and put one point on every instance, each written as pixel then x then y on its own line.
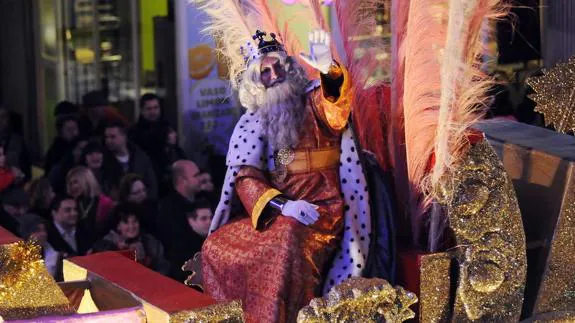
pixel 555 95
pixel 557 290
pixel 26 288
pixel 435 287
pixel 360 300
pixel 283 158
pixel 484 215
pixel 225 312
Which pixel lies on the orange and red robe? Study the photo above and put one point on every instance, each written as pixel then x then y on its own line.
pixel 274 264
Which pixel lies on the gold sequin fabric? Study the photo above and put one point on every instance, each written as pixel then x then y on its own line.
pixel 360 300
pixel 26 288
pixel 555 95
pixel 434 293
pixel 557 291
pixel 484 216
pixel 225 312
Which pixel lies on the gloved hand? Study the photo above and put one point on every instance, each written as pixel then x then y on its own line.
pixel 320 56
pixel 303 211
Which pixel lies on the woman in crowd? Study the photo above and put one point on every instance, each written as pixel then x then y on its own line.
pixel 126 235
pixel 41 195
pixel 94 208
pixel 108 177
pixel 134 194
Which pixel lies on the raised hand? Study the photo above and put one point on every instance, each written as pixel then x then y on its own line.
pixel 320 56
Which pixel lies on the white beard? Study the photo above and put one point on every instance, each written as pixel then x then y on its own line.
pixel 282 111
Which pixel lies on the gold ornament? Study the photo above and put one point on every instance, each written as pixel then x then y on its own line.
pixel 555 95
pixel 360 300
pixel 224 312
pixel 485 218
pixel 283 158
pixel 26 288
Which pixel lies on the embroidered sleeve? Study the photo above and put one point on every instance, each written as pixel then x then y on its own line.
pixel 255 192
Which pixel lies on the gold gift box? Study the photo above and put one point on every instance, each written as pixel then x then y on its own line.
pixel 541 164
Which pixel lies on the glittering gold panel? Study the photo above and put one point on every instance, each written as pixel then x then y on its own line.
pixel 485 218
pixel 557 291
pixel 26 288
pixel 360 300
pixel 225 312
pixel 434 300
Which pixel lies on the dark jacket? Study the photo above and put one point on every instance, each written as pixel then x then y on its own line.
pixel 139 163
pixel 150 136
pixel 180 241
pixel 59 244
pixel 152 248
pixel 59 149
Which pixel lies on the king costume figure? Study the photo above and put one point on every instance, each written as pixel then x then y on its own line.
pixel 294 172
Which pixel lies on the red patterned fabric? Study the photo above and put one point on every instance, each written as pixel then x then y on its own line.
pixel 278 270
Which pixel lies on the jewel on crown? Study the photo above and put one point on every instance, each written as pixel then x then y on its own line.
pixel 250 52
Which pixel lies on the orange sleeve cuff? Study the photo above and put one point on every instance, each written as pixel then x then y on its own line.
pixel 261 203
pixel 336 110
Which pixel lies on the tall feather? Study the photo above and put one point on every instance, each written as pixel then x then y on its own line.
pixel 228 23
pixel 422 46
pixel 464 90
pixel 444 94
pixel 364 47
pixel 315 6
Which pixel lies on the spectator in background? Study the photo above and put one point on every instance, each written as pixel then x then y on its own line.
pixel 57 175
pixel 94 208
pixel 171 152
pixel 14 204
pixel 126 235
pixel 9 176
pixel 97 113
pixel 108 175
pixel 129 158
pixel 15 149
pixel 174 209
pixel 148 131
pixel 186 246
pixel 66 108
pixel 41 195
pixel 67 131
pixel 65 234
pixel 34 227
pixel 134 194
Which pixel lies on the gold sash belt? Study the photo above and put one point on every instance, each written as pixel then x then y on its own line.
pixel 307 160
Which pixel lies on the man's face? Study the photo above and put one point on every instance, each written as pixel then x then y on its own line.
pixel 272 71
pixel 201 224
pixel 66 214
pixel 70 130
pixel 115 139
pixel 151 110
pixel 192 178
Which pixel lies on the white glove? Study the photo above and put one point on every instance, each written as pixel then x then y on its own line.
pixel 320 51
pixel 303 211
